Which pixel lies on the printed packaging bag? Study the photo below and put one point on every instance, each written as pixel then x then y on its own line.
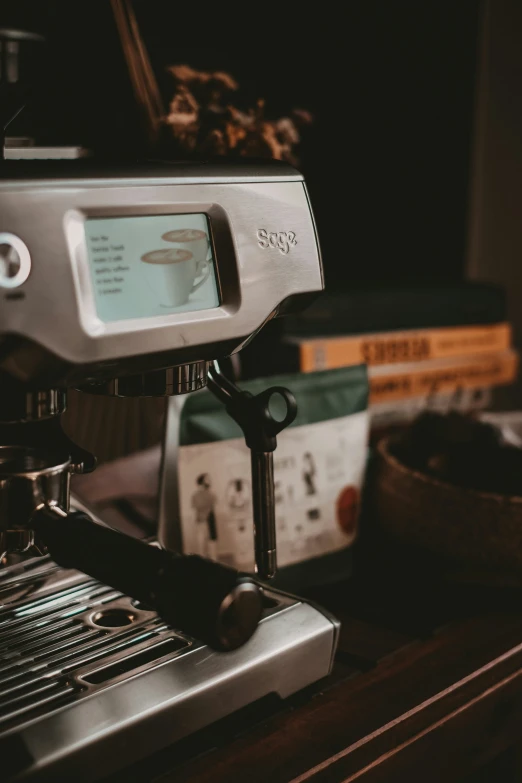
pixel 319 465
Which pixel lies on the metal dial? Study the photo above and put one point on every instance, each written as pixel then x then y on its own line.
pixel 15 261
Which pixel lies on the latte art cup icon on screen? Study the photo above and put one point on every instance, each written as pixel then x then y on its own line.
pixel 192 239
pixel 173 274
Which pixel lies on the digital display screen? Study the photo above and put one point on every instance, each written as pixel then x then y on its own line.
pixel 151 265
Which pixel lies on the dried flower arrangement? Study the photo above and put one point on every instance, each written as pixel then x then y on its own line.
pixel 203 117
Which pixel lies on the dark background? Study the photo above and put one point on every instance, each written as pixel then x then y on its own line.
pixel 387 158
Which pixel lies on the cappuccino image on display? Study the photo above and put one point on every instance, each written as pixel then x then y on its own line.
pixel 184 235
pixel 173 274
pixel 136 272
pixel 192 239
pixel 166 256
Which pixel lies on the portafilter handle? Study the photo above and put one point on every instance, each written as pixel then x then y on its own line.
pixel 204 599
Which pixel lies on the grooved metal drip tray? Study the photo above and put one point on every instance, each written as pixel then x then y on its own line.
pixel 83 668
pixel 62 634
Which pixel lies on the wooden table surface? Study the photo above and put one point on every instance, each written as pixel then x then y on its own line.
pixel 426 686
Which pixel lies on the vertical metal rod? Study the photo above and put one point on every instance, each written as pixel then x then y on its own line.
pixel 263 503
pixel 251 413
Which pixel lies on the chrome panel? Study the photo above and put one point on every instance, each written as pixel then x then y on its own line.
pixel 49 217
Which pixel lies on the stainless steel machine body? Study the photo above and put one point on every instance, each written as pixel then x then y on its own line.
pixel 83 667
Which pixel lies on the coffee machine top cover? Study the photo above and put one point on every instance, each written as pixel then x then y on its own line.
pixel 110 272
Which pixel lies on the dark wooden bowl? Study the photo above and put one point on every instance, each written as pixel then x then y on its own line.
pixel 473 529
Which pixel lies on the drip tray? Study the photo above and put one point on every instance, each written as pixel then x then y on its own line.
pixel 58 642
pixel 85 672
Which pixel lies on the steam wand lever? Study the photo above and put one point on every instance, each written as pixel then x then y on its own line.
pixel 252 413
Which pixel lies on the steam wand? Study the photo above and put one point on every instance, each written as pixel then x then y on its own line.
pixel 260 428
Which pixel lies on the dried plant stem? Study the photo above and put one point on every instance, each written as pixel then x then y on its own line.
pixel 140 70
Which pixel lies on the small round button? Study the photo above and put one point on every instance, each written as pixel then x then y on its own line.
pixel 15 261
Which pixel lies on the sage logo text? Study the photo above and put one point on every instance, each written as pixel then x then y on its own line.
pixel 280 240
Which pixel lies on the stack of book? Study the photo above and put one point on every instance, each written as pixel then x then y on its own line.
pixel 440 348
pixel 411 370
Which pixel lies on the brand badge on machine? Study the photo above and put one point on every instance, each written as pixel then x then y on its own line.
pixel 278 240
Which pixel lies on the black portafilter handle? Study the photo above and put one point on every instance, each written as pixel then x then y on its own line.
pixel 201 598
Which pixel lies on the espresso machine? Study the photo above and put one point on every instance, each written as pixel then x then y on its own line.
pixel 134 281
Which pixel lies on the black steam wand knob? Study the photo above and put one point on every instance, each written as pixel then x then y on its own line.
pixel 260 428
pixel 206 600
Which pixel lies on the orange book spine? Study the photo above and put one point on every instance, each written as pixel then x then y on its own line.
pixel 400 347
pixel 389 384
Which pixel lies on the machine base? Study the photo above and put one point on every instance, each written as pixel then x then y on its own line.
pixel 91 681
